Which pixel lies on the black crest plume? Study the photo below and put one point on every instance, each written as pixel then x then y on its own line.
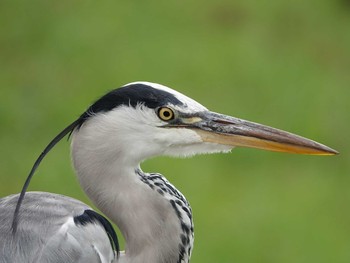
pixel 59 137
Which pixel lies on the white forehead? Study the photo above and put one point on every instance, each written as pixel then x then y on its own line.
pixel 190 104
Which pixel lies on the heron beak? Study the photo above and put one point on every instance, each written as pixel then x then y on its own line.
pixel 227 130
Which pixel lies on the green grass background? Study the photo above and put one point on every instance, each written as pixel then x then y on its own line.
pixel 282 63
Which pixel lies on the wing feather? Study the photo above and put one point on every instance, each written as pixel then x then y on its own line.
pixel 49 231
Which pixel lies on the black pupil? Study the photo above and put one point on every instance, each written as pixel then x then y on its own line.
pixel 166 114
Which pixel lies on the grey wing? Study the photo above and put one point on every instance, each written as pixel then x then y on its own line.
pixel 54 228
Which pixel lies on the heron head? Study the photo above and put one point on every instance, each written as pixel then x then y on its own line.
pixel 143 119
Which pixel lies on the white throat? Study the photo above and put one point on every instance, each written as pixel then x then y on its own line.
pixel 107 172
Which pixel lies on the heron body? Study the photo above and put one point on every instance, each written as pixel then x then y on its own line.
pixel 109 141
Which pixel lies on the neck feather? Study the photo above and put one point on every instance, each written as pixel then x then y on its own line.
pixel 154 218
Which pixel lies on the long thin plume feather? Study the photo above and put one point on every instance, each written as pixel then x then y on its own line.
pixel 61 135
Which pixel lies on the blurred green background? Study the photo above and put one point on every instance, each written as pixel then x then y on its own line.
pixel 281 63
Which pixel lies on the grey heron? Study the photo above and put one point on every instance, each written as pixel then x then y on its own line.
pixel 109 141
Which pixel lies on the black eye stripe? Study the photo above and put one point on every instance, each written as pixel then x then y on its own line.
pixel 131 95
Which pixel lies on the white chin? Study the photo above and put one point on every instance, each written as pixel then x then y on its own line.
pixel 197 148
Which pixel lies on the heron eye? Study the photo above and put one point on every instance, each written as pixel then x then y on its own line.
pixel 166 114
